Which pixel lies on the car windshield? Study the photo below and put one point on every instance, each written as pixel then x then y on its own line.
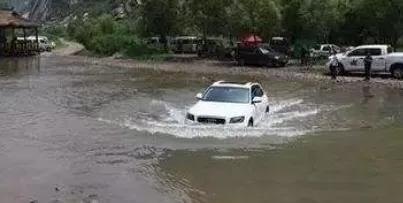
pixel 264 50
pixel 227 94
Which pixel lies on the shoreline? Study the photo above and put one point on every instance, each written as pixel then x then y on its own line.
pixel 187 64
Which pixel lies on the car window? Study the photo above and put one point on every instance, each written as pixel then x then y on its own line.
pixel 227 94
pixel 264 51
pixel 248 50
pixel 375 52
pixel 326 48
pixel 357 52
pixel 257 91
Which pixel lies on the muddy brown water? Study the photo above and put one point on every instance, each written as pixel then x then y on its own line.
pixel 73 131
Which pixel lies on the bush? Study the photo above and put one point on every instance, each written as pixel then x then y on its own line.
pixel 104 36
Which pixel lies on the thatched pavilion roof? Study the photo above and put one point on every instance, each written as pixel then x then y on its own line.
pixel 10 18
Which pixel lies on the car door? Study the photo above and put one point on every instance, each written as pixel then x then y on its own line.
pixel 257 91
pixel 247 54
pixel 355 60
pixel 379 62
pixel 259 57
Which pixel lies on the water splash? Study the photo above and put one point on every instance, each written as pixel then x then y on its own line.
pixel 171 120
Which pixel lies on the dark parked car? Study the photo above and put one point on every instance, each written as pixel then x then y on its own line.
pixel 281 45
pixel 260 55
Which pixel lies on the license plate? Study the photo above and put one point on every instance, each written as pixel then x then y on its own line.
pixel 211 120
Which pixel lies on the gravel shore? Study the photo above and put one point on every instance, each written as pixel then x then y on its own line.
pixel 193 65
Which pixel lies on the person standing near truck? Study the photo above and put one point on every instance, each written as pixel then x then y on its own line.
pixel 368 65
pixel 334 64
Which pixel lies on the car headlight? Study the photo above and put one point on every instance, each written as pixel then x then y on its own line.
pixel 239 119
pixel 190 117
pixel 277 57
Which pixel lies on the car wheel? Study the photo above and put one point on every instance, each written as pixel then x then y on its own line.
pixel 250 123
pixel 340 70
pixel 282 65
pixel 241 62
pixel 397 73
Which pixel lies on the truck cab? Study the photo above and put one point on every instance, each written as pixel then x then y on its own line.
pixel 323 50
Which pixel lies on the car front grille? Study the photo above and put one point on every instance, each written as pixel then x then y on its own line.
pixel 207 120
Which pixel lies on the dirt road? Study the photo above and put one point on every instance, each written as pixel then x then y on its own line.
pixel 70 48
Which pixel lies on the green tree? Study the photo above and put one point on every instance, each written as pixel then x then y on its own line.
pixel 209 16
pixel 312 20
pixel 160 17
pixel 4 4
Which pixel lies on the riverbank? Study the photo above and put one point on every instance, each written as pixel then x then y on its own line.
pixel 194 65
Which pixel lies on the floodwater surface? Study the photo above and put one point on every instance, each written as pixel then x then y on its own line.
pixel 75 131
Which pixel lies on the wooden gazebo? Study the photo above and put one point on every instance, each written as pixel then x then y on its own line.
pixel 14 31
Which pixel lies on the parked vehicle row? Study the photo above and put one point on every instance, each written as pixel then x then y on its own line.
pixel 251 51
pixel 44 43
pixel 215 47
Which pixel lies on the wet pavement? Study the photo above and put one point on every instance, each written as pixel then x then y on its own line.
pixel 75 130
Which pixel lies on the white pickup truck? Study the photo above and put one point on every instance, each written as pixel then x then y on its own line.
pixel 384 60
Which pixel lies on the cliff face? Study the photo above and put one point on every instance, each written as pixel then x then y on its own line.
pixel 45 10
pixel 37 10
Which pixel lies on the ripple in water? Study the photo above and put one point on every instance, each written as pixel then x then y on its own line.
pixel 285 119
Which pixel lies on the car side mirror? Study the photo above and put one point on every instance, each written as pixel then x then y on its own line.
pixel 257 100
pixel 199 96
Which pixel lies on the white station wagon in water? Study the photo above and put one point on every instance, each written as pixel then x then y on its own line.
pixel 229 103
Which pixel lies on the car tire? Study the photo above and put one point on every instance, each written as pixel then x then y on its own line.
pixel 397 73
pixel 282 65
pixel 250 123
pixel 340 70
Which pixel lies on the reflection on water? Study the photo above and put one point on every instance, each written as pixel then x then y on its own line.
pixel 366 93
pixel 355 166
pixel 19 65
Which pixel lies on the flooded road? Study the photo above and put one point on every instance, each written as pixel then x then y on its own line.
pixel 74 131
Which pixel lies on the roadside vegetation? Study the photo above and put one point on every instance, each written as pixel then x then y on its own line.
pixel 303 22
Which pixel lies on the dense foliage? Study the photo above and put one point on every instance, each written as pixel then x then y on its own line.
pixel 339 21
pixel 303 22
pixel 104 35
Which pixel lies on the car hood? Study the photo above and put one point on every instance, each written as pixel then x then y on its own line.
pixel 221 110
pixel 339 56
pixel 396 54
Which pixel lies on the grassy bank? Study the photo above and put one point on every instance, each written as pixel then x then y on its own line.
pixel 104 36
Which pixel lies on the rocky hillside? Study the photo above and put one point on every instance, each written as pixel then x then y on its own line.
pixel 51 10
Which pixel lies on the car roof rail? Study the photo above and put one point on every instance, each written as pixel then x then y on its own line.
pixel 219 82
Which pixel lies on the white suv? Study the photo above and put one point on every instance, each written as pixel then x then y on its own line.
pixel 229 103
